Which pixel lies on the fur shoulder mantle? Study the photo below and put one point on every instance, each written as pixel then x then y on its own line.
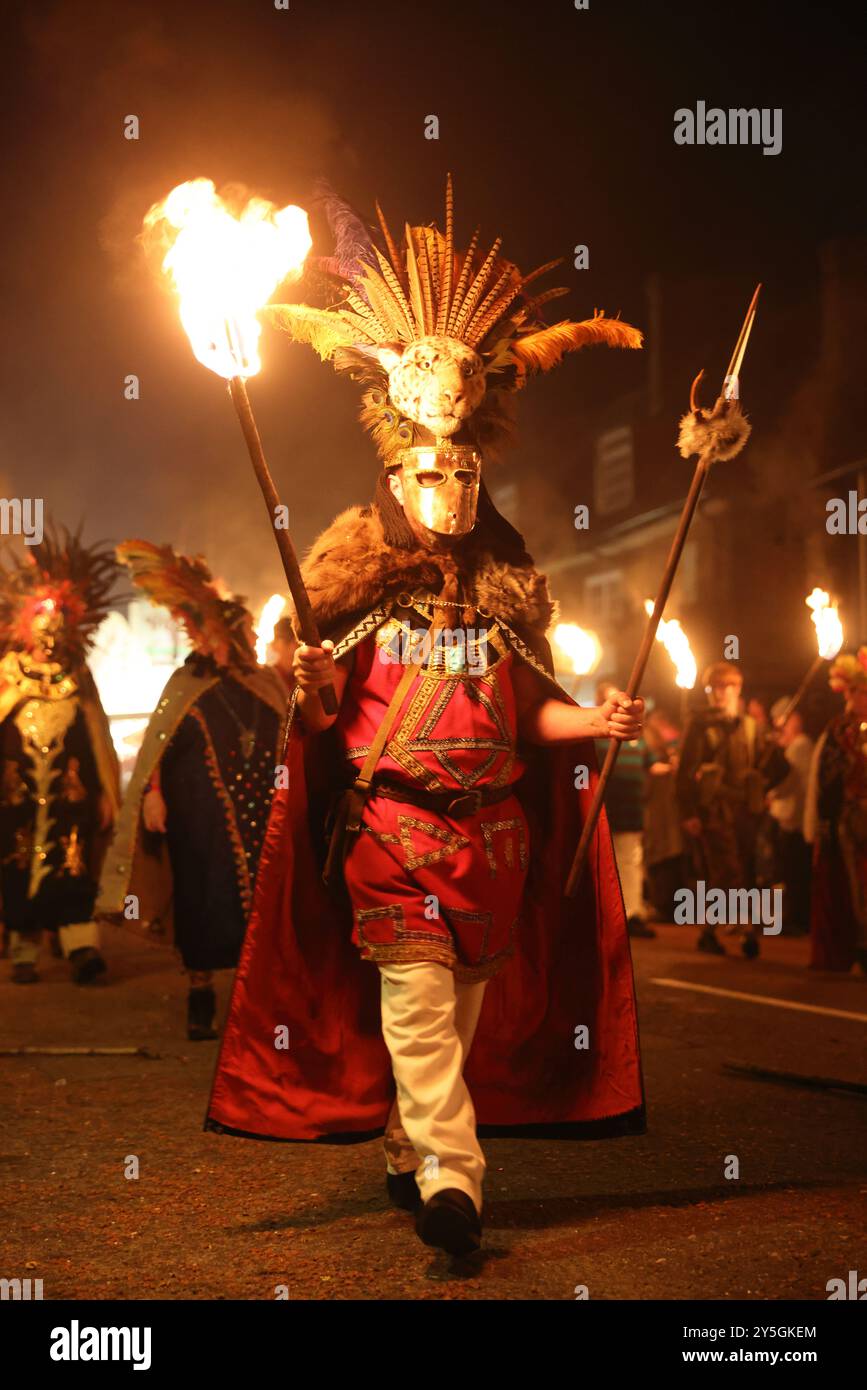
pixel 351 569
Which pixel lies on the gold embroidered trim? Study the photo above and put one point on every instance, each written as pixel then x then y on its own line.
pixel 452 841
pixel 432 949
pixel 473 974
pixel 425 940
pixel 504 776
pixel 437 952
pixel 417 771
pixel 39 680
pixel 432 695
pixel 531 659
pixel 364 628
pixel 491 828
pixel 238 849
pixel 436 706
pixel 483 919
pixel 43 726
pixel 285 730
pixel 487 968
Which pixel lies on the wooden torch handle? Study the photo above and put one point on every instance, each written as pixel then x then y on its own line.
pixel 306 621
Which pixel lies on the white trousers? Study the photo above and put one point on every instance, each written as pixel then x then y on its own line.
pixel 25 949
pixel 428 1023
pixel 629 852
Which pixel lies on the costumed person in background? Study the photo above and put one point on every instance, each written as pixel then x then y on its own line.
pixel 190 832
pixel 786 804
pixel 59 788
pixel 663 837
pixel 725 771
pixel 835 824
pixel 757 710
pixel 449 981
pixel 284 645
pixel 625 798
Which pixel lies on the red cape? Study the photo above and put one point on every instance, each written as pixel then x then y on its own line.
pixel 332 1078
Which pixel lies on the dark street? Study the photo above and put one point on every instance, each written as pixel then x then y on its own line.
pixel 655 1217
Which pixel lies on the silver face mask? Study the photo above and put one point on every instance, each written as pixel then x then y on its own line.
pixel 441 486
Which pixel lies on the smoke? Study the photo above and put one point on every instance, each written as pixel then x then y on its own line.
pixel 211 98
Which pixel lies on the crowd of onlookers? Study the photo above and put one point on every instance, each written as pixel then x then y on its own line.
pixel 738 796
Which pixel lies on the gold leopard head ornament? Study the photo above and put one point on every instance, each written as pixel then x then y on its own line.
pixel 439 338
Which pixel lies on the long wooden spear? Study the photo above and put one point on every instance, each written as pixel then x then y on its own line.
pixel 716 442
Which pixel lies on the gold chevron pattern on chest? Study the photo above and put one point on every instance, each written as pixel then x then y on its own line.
pixel 415 733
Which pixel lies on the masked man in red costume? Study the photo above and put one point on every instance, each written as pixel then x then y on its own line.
pixel 450 777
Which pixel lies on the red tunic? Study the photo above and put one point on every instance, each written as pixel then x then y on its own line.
pixel 426 885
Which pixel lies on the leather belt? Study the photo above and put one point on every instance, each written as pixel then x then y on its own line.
pixel 450 803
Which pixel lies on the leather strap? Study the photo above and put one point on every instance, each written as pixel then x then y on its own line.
pixel 360 788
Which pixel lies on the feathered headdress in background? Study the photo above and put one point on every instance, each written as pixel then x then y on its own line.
pixel 60 585
pixel 213 621
pixel 439 338
pixel 848 671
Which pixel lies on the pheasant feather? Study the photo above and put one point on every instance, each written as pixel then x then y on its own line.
pixel 544 349
pixel 448 259
pixel 463 281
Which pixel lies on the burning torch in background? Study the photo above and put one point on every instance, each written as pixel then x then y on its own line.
pixel 676 643
pixel 829 638
pixel 272 608
pixel 581 646
pixel 225 267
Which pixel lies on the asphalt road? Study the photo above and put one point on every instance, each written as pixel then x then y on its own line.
pixel 211 1217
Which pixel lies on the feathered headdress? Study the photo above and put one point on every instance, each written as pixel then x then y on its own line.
pixel 213 621
pixel 405 312
pixel 848 671
pixel 60 582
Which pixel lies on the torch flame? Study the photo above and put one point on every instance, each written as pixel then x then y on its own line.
pixel 226 267
pixel 676 643
pixel 826 619
pixel 271 610
pixel 581 645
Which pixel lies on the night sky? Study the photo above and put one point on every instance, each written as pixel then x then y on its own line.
pixel 557 125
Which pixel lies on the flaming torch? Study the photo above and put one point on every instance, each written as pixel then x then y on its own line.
pixel 829 637
pixel 271 610
pixel 713 435
pixel 676 643
pixel 580 645
pixel 225 267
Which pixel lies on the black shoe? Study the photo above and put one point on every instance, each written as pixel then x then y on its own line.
pixel 87 965
pixel 449 1221
pixel 402 1190
pixel 24 973
pixel 750 947
pixel 708 942
pixel 636 926
pixel 201 1007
